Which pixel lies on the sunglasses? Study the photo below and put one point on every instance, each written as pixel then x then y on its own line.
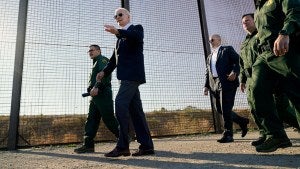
pixel 116 16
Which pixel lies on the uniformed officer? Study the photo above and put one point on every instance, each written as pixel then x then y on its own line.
pixel 278 24
pixel 101 103
pixel 248 56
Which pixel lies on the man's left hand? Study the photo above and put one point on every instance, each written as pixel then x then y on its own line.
pixel 231 76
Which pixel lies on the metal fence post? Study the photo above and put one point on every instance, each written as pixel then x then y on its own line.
pixel 17 79
pixel 205 38
pixel 125 4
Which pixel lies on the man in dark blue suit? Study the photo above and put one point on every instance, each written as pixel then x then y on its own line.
pixel 128 58
pixel 222 81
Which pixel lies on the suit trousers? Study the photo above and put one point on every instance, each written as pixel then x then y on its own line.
pixel 223 101
pixel 129 106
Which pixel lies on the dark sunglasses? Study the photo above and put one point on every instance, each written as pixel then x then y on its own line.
pixel 120 15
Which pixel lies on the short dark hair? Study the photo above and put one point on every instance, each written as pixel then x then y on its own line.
pixel 97 47
pixel 248 14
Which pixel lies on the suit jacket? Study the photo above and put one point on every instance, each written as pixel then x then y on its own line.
pixel 227 62
pixel 128 55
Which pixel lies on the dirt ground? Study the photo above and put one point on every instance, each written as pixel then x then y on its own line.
pixel 182 152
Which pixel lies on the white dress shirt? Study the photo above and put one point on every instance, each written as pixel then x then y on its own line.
pixel 214 61
pixel 127 26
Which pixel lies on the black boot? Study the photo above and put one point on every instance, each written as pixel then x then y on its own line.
pixel 272 144
pixel 87 147
pixel 259 141
pixel 84 149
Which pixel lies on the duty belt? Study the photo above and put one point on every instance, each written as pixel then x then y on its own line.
pixel 264 48
pixel 294 38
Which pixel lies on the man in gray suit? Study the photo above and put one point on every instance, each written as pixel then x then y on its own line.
pixel 222 71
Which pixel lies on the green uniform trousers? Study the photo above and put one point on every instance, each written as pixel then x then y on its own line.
pixel 286 110
pixel 266 71
pixel 257 119
pixel 101 106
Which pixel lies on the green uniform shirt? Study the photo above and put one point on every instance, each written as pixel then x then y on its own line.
pixel 273 16
pixel 248 56
pixel 98 64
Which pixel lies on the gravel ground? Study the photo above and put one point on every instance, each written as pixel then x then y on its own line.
pixel 184 152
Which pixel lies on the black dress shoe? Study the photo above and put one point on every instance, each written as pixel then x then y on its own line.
pixel 117 153
pixel 142 152
pixel 244 127
pixel 226 139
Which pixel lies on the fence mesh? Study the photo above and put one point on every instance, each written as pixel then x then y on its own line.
pixel 57 66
